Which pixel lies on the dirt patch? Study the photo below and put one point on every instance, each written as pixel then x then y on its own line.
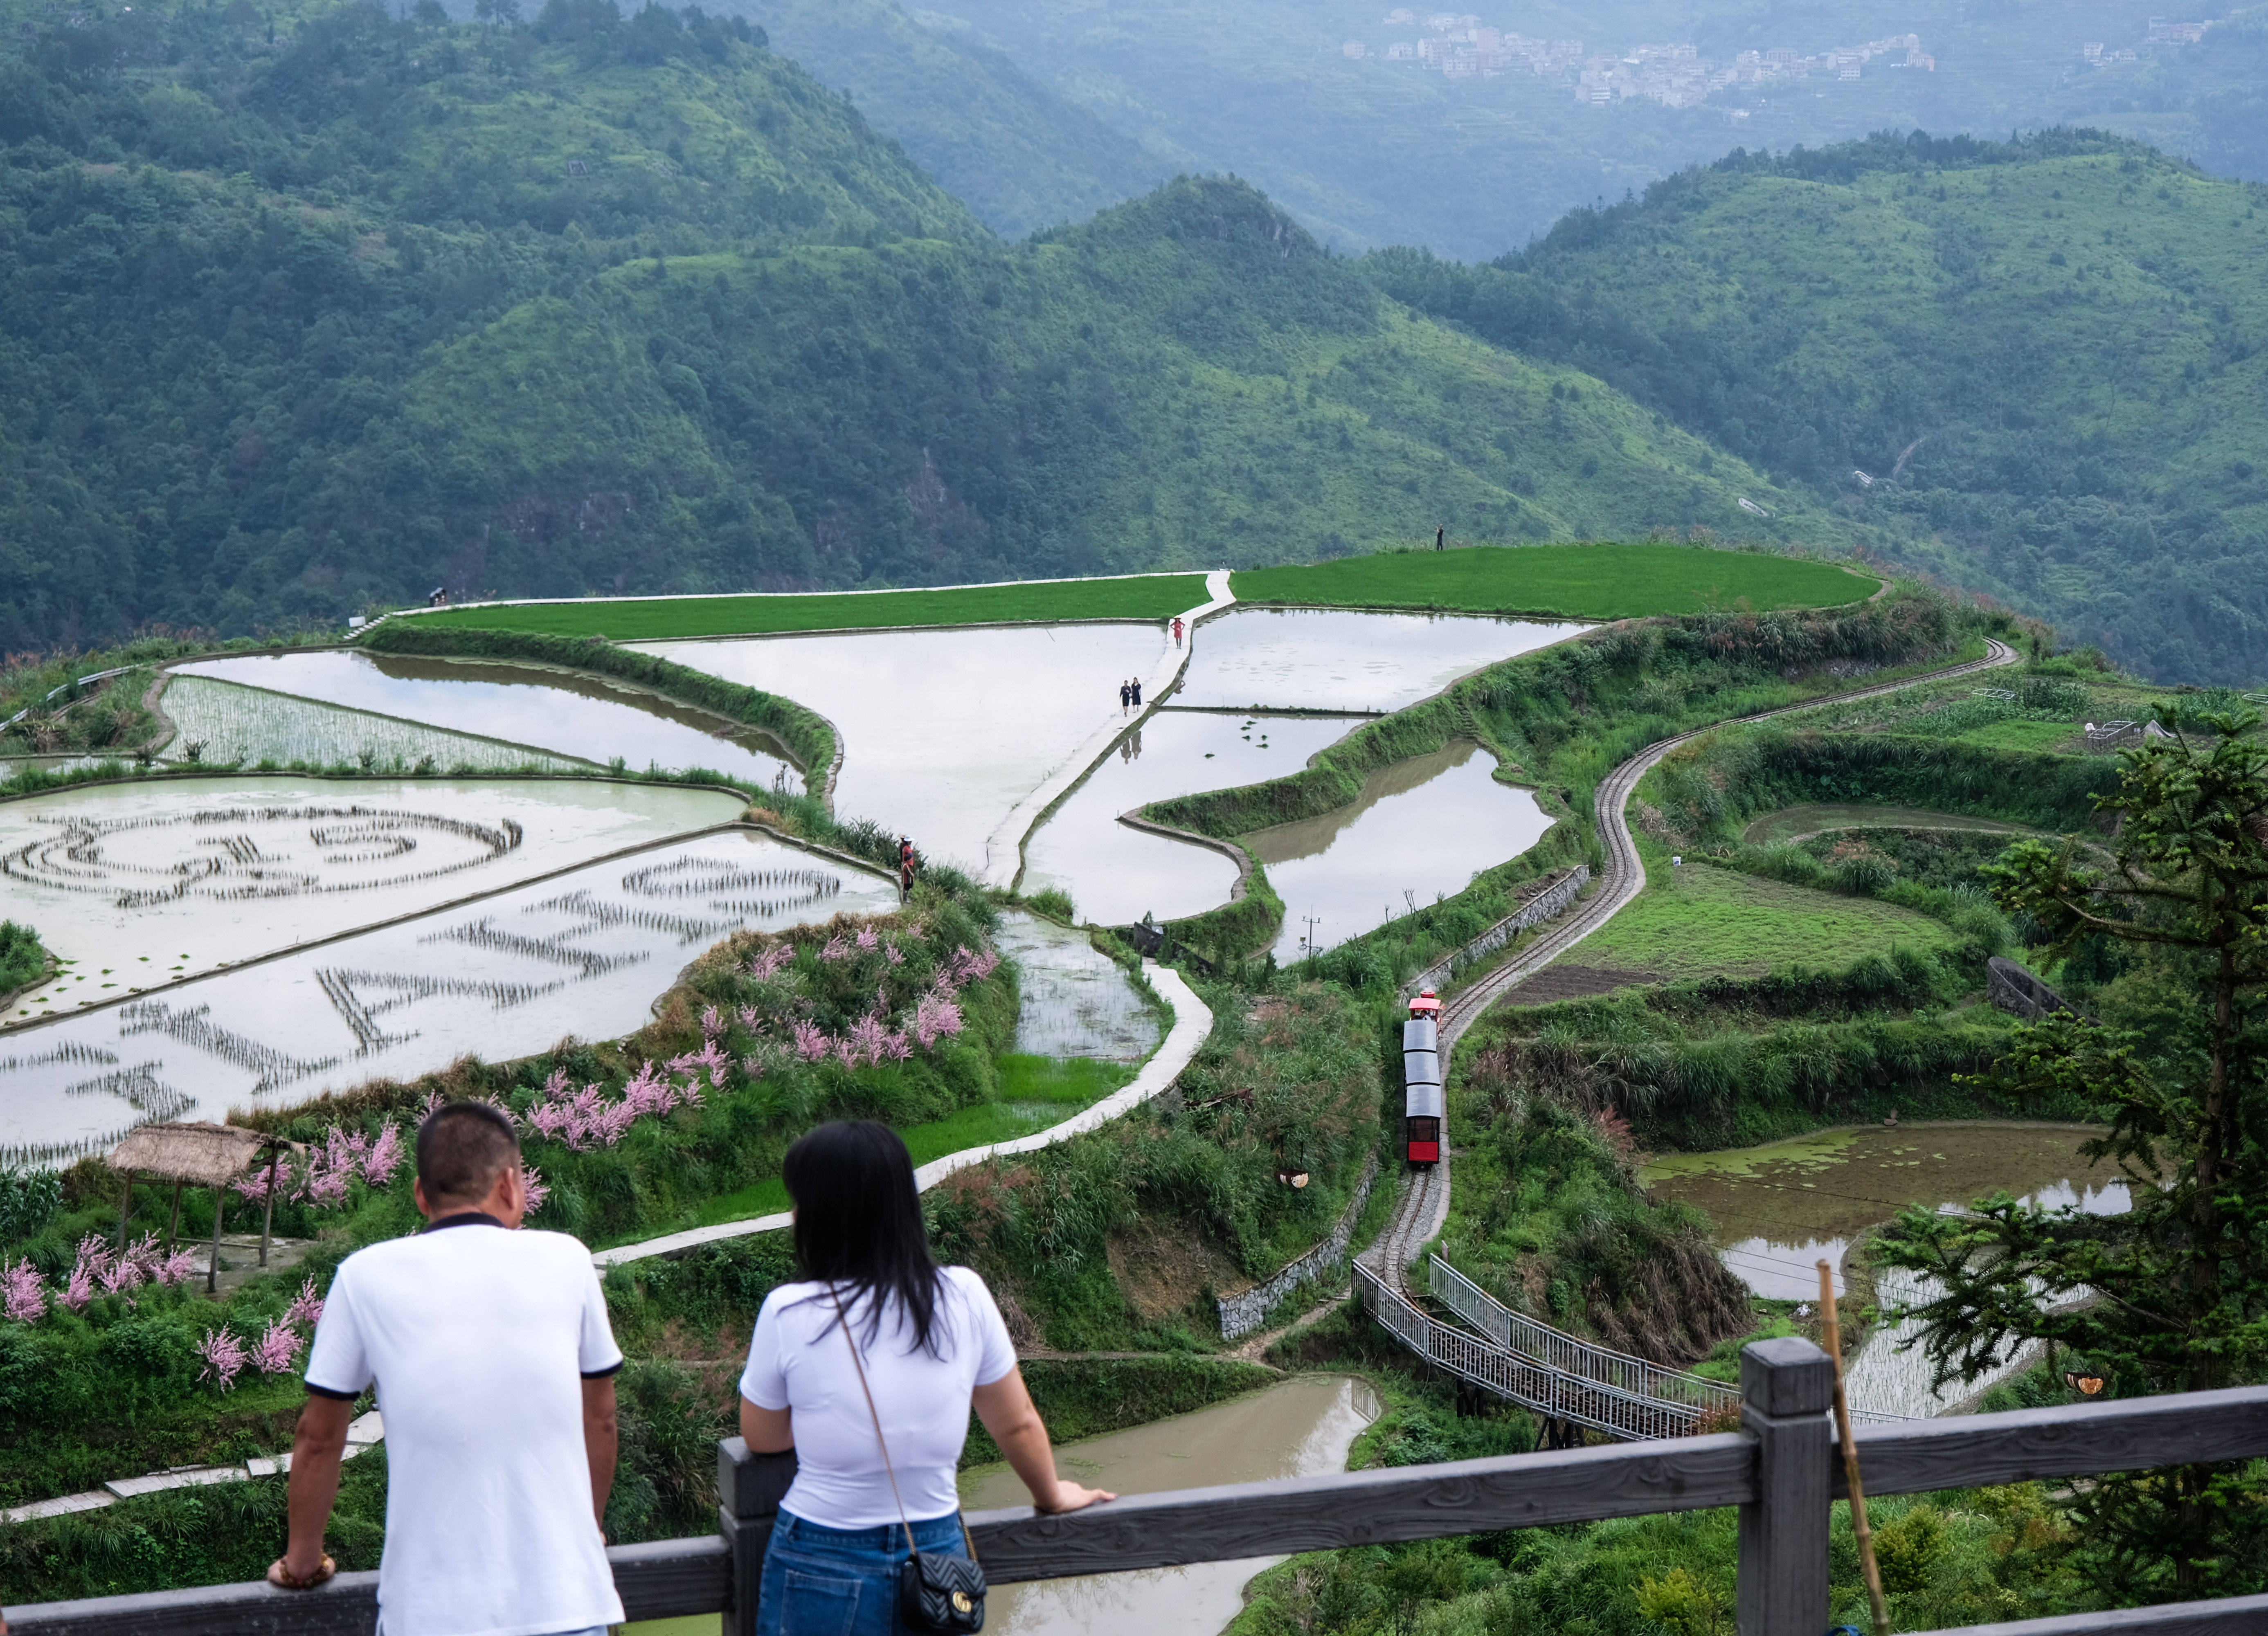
pixel 1576 982
pixel 1164 1274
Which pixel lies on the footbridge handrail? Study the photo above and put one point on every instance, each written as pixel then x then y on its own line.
pixel 1779 1468
pixel 1570 1355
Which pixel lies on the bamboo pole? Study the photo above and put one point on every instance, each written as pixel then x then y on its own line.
pixel 1865 1535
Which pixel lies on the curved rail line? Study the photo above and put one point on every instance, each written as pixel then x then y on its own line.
pixel 1565 1398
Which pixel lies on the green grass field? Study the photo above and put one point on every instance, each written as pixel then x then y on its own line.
pixel 1035 1092
pixel 1605 581
pixel 1711 922
pixel 652 618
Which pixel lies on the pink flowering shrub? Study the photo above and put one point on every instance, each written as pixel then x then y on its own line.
pixel 538 1191
pixel 278 1350
pixel 224 1357
pixel 387 1154
pixel 306 1307
pixel 23 1292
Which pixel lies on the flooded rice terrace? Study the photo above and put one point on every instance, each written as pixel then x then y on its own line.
pixel 1421 827
pixel 944 732
pixel 140 885
pixel 1341 659
pixel 1301 1427
pixel 1073 1001
pixel 1777 1209
pixel 567 714
pixel 1115 873
pixel 584 953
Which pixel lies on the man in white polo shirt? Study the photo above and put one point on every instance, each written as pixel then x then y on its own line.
pixel 495 1369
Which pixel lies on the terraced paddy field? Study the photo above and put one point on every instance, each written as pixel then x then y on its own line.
pixel 584 953
pixel 138 886
pixel 219 723
pixel 572 714
pixel 646 619
pixel 1703 921
pixel 1326 659
pixel 1800 823
pixel 1603 581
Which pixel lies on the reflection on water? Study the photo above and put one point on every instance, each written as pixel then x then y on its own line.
pixel 1301 1427
pixel 571 714
pixel 1334 659
pixel 584 953
pixel 142 885
pixel 1421 828
pixel 1779 1207
pixel 944 732
pixel 1074 1000
pixel 1115 873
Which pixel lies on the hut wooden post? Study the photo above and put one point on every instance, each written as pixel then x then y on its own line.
pixel 125 1209
pixel 212 1270
pixel 173 1222
pixel 267 1206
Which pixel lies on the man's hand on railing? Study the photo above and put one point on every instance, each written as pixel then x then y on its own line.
pixel 284 1574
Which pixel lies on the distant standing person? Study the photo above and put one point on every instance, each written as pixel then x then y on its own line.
pixel 495 1370
pixel 1177 630
pixel 909 862
pixel 1440 536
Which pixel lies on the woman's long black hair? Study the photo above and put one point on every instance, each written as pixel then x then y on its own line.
pixel 858 1222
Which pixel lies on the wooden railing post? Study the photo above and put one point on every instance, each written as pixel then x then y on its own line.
pixel 1785 1388
pixel 749 1488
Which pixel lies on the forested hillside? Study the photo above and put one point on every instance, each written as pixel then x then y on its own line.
pixel 2045 357
pixel 302 324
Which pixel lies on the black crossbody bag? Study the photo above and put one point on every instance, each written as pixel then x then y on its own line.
pixel 937 1596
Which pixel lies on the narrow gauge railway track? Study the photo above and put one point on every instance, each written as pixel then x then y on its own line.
pixel 1566 1399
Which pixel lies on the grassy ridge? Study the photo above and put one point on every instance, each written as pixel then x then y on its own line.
pixel 1600 582
pixel 1705 922
pixel 1141 597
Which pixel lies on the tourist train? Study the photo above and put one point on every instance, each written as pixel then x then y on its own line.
pixel 1421 1079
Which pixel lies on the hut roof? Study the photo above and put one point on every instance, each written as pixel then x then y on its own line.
pixel 201 1152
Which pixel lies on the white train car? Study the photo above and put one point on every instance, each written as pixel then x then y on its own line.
pixel 1422 1107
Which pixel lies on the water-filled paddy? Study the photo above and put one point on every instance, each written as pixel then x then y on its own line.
pixel 568 713
pixel 1074 1000
pixel 944 731
pixel 1422 827
pixel 1115 873
pixel 1333 659
pixel 1302 1427
pixel 227 722
pixel 140 885
pixel 1779 1208
pixel 584 953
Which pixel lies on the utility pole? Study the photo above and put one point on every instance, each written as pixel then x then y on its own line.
pixel 1308 941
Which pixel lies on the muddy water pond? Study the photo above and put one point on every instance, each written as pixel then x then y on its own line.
pixel 1334 659
pixel 1779 1208
pixel 141 886
pixel 1300 1427
pixel 1115 873
pixel 1421 828
pixel 584 953
pixel 944 732
pixel 570 713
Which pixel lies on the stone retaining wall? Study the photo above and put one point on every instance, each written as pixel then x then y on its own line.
pixel 1534 912
pixel 1241 1313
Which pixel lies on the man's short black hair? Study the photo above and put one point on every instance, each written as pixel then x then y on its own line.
pixel 462 1147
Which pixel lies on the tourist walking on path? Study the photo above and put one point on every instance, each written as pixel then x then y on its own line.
pixel 1177 630
pixel 1125 697
pixel 495 1371
pixel 1137 686
pixel 909 865
pixel 868 1372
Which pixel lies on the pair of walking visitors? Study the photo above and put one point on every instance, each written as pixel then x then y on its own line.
pixel 1130 694
pixel 494 1363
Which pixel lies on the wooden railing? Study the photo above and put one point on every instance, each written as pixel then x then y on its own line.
pixel 1779 1469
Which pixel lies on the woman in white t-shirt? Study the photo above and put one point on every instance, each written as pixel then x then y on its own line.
pixel 931 1343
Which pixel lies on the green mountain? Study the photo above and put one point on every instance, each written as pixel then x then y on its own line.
pixel 2048 359
pixel 1020 157
pixel 302 324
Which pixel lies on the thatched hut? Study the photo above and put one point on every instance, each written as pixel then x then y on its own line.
pixel 197 1153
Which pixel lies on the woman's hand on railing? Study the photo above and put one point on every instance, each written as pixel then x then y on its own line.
pixel 1072 1497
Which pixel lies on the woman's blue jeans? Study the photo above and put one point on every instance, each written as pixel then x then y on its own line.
pixel 841 1582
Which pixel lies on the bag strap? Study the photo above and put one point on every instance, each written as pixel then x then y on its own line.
pixel 879 1441
pixel 867 1392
